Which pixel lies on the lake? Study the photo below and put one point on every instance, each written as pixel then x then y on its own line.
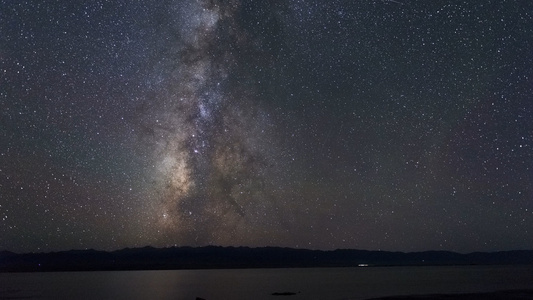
pixel 257 284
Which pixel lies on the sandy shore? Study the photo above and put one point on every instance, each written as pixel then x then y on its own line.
pixel 500 295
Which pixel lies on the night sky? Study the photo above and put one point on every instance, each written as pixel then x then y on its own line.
pixel 371 124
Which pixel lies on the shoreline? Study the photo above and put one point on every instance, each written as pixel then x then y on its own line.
pixel 497 295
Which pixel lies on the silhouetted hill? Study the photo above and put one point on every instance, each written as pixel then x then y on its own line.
pixel 213 257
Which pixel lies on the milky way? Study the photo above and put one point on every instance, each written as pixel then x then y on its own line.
pixel 212 145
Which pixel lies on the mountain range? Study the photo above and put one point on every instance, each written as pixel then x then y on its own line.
pixel 215 257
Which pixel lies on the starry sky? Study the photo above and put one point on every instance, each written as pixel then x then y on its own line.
pixel 402 125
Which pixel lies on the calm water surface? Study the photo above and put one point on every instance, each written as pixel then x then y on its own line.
pixel 257 284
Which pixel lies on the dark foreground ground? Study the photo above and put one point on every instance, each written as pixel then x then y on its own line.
pixel 500 295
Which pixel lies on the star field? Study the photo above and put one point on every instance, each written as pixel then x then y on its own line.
pixel 392 125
